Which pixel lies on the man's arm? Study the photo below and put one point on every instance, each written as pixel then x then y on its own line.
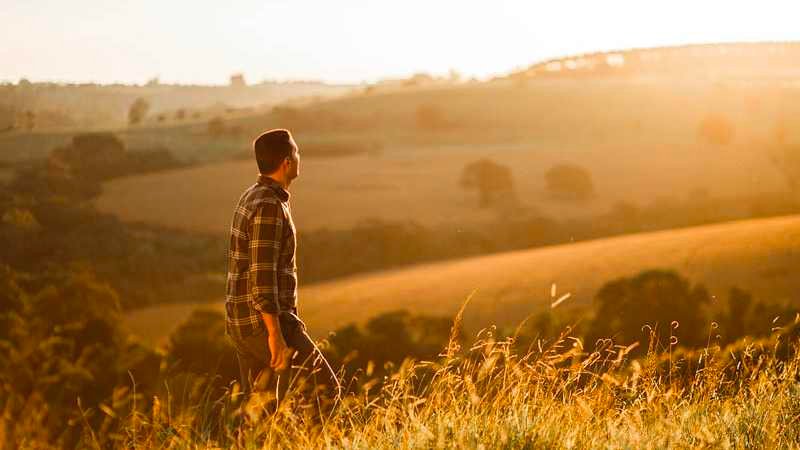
pixel 265 241
pixel 280 353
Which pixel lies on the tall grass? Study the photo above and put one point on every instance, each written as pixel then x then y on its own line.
pixel 491 395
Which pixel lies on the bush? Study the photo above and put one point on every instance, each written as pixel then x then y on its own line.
pixel 138 111
pixel 492 181
pixel 569 182
pixel 386 340
pixel 660 300
pixel 61 341
pixel 95 157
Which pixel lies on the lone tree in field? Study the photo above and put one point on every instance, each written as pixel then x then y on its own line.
pixel 569 182
pixel 490 179
pixel 660 299
pixel 138 111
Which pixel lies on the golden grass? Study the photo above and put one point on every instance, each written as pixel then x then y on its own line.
pixel 489 396
pixel 756 255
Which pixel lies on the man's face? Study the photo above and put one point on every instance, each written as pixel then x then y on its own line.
pixel 294 164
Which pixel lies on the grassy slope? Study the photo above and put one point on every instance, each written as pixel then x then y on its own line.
pixel 757 255
pixel 639 140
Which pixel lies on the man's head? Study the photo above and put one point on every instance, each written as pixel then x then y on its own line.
pixel 277 155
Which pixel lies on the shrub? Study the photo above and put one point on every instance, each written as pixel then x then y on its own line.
pixel 660 300
pixel 569 182
pixel 138 111
pixel 491 180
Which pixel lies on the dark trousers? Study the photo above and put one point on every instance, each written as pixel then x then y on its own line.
pixel 309 372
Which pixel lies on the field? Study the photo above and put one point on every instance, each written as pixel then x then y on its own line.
pixel 639 141
pixel 756 255
pixel 421 184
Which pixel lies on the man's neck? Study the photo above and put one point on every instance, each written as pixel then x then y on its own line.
pixel 284 184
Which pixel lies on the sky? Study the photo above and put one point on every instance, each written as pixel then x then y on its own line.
pixel 350 41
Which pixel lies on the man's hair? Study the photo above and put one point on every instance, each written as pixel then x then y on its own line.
pixel 271 148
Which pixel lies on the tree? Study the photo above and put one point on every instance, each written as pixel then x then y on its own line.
pixel 745 316
pixel 91 156
pixel 569 182
pixel 490 179
pixel 61 339
pixel 387 339
pixel 660 299
pixel 138 111
pixel 740 303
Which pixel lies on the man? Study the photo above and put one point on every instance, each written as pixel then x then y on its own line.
pixel 261 299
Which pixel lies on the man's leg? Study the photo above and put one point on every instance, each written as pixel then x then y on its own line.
pixel 256 377
pixel 247 368
pixel 310 367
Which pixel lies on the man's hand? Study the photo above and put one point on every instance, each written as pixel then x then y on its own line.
pixel 281 354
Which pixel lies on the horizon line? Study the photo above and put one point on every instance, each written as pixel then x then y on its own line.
pixel 386 78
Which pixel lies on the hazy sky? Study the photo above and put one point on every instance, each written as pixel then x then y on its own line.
pixel 350 40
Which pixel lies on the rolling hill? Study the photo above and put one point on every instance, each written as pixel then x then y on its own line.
pixel 761 256
pixel 642 138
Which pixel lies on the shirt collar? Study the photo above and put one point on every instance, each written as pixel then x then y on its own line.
pixel 282 193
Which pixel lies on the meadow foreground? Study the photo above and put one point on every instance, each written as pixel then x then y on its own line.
pixel 562 394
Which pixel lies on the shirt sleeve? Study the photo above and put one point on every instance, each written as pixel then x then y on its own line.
pixel 266 230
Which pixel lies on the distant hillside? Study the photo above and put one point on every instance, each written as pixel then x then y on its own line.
pixel 643 97
pixel 52 105
pixel 640 95
pixel 760 256
pixel 753 60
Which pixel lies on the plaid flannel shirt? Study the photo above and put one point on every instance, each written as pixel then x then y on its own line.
pixel 262 271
